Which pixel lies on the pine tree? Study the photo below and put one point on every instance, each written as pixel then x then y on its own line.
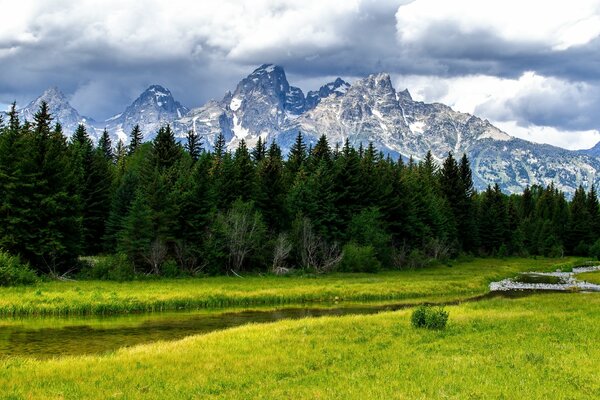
pixel 271 190
pixel 296 158
pixel 193 145
pixel 259 152
pixel 105 146
pixel 347 186
pixel 136 236
pixel 136 137
pixel 321 152
pixel 242 184
pixel 580 223
pixel 52 198
pixel 594 212
pixel 165 150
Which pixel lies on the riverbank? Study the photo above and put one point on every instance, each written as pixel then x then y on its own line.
pixel 541 346
pixel 440 283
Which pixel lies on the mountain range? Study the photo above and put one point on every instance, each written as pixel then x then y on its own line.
pixel 265 105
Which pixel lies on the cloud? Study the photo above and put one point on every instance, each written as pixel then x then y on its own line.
pixel 532 64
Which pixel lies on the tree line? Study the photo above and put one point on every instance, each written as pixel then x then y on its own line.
pixel 168 208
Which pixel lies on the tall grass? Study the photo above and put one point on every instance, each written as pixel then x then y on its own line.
pixel 439 283
pixel 538 347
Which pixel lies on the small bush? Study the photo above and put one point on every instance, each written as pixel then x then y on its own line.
pixel 13 272
pixel 170 269
pixel 582 249
pixel 429 317
pixel 359 259
pixel 115 267
pixel 595 250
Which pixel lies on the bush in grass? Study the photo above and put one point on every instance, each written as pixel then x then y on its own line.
pixel 114 267
pixel 170 269
pixel 429 317
pixel 13 272
pixel 359 259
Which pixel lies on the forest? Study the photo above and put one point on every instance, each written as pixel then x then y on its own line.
pixel 170 209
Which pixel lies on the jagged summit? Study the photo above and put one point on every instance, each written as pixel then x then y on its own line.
pixel 153 108
pixel 265 105
pixel 405 95
pixel 335 88
pixel 60 108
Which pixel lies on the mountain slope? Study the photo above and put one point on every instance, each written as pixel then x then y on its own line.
pixel 60 109
pixel 154 108
pixel 265 105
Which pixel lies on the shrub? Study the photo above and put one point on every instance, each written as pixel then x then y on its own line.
pixel 114 267
pixel 170 269
pixel 582 249
pixel 13 272
pixel 359 259
pixel 429 317
pixel 595 250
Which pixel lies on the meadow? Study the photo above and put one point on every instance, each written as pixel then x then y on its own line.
pixel 542 346
pixel 538 346
pixel 591 277
pixel 440 283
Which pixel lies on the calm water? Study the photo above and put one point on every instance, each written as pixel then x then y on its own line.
pixel 46 338
pixel 43 338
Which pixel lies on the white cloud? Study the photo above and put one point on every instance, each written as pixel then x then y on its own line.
pixel 573 140
pixel 532 107
pixel 558 25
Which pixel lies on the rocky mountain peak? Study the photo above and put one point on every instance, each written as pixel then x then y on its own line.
pixel 61 110
pixel 153 108
pixel 404 95
pixel 335 88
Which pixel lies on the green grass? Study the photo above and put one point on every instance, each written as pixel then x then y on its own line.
pixel 439 283
pixel 538 347
pixel 591 277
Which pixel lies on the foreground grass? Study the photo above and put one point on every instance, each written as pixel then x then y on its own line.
pixel 543 346
pixel 439 283
pixel 591 277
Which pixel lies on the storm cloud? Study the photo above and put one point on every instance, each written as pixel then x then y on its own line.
pixel 525 65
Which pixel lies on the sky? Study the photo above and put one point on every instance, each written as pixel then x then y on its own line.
pixel 531 67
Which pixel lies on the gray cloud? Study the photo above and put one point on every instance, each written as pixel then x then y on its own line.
pixel 105 57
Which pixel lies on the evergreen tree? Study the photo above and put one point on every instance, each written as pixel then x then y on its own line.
pixel 270 190
pixel 347 186
pixel 193 145
pixel 580 223
pixel 594 212
pixel 296 158
pixel 165 150
pixel 105 146
pixel 260 151
pixel 321 152
pixel 243 177
pixel 136 138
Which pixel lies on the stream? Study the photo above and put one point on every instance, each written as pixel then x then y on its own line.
pixel 43 338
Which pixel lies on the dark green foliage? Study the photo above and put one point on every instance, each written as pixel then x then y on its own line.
pixel 359 259
pixel 193 145
pixel 165 150
pixel 13 272
pixel 105 146
pixel 135 139
pixel 429 317
pixel 172 211
pixel 113 267
pixel 595 250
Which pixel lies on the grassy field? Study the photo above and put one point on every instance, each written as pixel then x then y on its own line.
pixel 542 346
pixel 591 277
pixel 440 283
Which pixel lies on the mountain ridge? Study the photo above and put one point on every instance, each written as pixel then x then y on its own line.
pixel 265 105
